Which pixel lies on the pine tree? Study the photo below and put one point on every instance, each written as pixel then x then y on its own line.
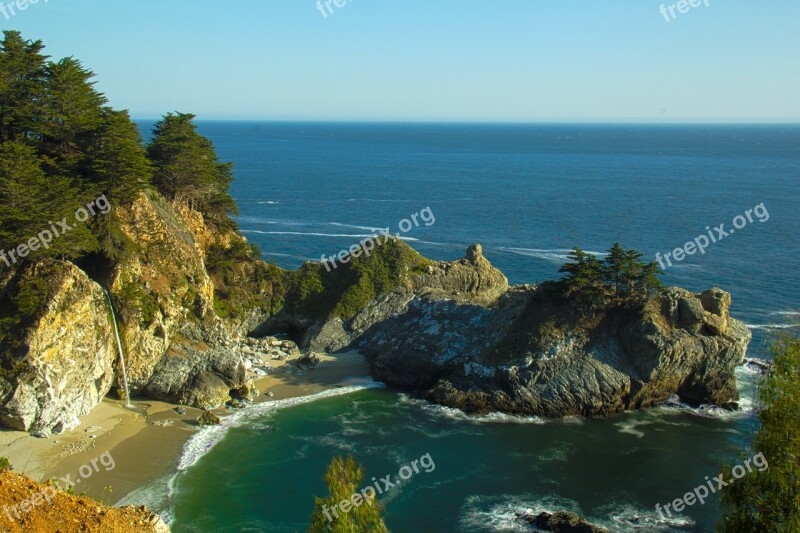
pixel 584 278
pixel 769 500
pixel 73 109
pixel 648 283
pixel 344 477
pixel 22 77
pixel 118 162
pixel 188 169
pixel 614 267
pixel 32 200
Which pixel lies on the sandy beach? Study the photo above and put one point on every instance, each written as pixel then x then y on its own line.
pixel 145 442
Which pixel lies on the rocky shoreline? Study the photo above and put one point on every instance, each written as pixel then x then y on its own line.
pixel 453 332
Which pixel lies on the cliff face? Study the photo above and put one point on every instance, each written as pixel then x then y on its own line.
pixel 461 337
pixel 64 366
pixel 61 359
pixel 188 295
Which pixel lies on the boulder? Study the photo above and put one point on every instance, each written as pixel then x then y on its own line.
pixel 561 522
pixel 209 419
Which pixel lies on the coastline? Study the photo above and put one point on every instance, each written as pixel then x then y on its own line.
pixel 147 442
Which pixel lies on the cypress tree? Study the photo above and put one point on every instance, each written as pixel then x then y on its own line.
pixel 344 477
pixel 187 168
pixel 22 76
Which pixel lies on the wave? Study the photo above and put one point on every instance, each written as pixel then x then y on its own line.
pixel 368 228
pixel 786 313
pixel 201 442
pixel 556 255
pixel 772 326
pixel 746 409
pixel 457 414
pixel 159 495
pixel 442 244
pixel 311 234
pixel 501 513
pixel 270 221
pixel 269 202
pixel 373 200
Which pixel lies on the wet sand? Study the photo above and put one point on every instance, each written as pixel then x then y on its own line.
pixel 145 442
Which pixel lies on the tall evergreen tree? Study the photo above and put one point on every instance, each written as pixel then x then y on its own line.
pixel 615 267
pixel 32 200
pixel 22 76
pixel 188 169
pixel 73 110
pixel 584 278
pixel 344 478
pixel 118 161
pixel 769 500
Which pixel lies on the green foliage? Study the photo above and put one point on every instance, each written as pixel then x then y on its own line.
pixel 188 169
pixel 770 500
pixel 69 489
pixel 5 464
pixel 241 283
pixel 61 148
pixel 622 277
pixel 344 291
pixel 22 87
pixel 71 109
pixel 21 303
pixel 134 299
pixel 344 478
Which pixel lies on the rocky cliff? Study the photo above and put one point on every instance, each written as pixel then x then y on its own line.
pixel 189 295
pixel 30 506
pixel 460 336
pixel 57 347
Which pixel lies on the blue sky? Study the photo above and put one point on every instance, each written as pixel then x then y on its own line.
pixel 440 60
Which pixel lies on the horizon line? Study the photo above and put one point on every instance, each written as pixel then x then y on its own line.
pixel 681 122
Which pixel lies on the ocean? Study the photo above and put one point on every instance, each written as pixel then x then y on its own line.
pixel 527 193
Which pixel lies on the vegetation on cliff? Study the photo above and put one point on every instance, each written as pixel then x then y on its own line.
pixel 770 500
pixel 621 277
pixel 316 293
pixel 61 146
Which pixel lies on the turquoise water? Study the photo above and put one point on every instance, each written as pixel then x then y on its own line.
pixel 527 193
pixel 611 470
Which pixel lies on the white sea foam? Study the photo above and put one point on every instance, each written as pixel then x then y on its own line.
pixel 158 495
pixel 627 518
pixel 500 513
pixel 367 228
pixel 772 326
pixel 269 202
pixel 712 411
pixel 787 313
pixel 270 221
pixel 629 427
pixel 556 255
pixel 309 233
pixel 205 439
pixel 457 414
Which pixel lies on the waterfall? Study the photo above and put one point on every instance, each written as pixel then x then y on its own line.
pixel 119 347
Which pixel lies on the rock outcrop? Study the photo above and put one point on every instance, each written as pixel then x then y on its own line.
pixel 64 366
pixel 561 522
pixel 58 354
pixel 460 336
